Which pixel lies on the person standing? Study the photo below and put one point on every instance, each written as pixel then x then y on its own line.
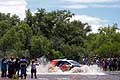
pixel 33 69
pixel 4 67
pixel 114 63
pixel 98 62
pixel 111 64
pixel 118 62
pixel 23 66
pixel 11 67
pixel 17 66
pixel 104 64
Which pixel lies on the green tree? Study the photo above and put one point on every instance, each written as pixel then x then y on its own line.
pixel 40 46
pixel 16 38
pixel 105 43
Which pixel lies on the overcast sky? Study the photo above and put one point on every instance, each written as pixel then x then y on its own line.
pixel 95 12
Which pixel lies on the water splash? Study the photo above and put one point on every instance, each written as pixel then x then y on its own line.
pixel 45 67
pixel 87 70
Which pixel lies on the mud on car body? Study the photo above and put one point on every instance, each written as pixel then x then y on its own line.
pixel 64 64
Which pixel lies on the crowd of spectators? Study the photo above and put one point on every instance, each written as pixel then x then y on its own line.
pixel 111 64
pixel 17 67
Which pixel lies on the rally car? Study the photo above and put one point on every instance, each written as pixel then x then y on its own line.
pixel 64 64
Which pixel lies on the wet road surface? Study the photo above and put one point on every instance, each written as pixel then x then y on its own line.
pixel 54 76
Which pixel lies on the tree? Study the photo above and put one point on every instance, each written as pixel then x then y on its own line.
pixel 4 27
pixel 16 39
pixel 103 43
pixel 40 46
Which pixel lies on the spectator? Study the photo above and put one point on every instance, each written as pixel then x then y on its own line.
pixel 104 64
pixel 98 62
pixel 17 66
pixel 23 66
pixel 114 63
pixel 111 64
pixel 118 62
pixel 11 67
pixel 4 67
pixel 33 69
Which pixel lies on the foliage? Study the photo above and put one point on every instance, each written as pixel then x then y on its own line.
pixel 106 43
pixel 54 35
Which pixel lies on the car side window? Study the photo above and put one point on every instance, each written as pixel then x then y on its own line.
pixel 66 62
pixel 60 63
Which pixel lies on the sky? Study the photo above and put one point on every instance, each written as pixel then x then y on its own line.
pixel 95 12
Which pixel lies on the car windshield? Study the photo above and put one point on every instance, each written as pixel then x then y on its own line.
pixel 74 62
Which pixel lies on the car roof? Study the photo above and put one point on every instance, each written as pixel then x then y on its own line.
pixel 62 60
